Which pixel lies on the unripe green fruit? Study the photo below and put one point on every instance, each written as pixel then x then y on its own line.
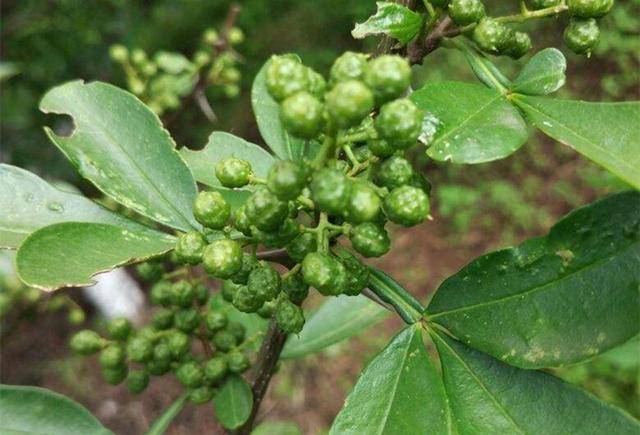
pixel 158 367
pixel 202 293
pixel 238 330
pixel 581 36
pixel 233 172
pixel 139 349
pixel 178 343
pixel 190 374
pixel 370 239
pixel 302 115
pixel 229 290
pixel 388 76
pixel 147 332
pixel 357 274
pixel 349 66
pixel 394 172
pixel 542 4
pixel 288 231
pixel 162 293
pixel 407 206
pixel 215 369
pixel 349 102
pixel 215 321
pixel 381 148
pixel 241 221
pixel 491 36
pixel 119 328
pixel 235 36
pixel 237 362
pixel 286 179
pixel 362 153
pixel 86 342
pixel 150 271
pixel 399 123
pixel 246 301
pixel 182 294
pixel 265 210
pixel 589 8
pixel 295 288
pixel 112 356
pixel 138 56
pixel 210 36
pixel 115 375
pixel 464 12
pixel 186 320
pixel 324 272
pixel 364 203
pixel 317 83
pixel 519 45
pixel 118 53
pixel 330 191
pixel 75 316
pixel 302 245
pixel 201 395
pixel 289 317
pixel 231 91
pixel 162 352
pixel 264 282
pixel 224 340
pixel 267 309
pixel 285 76
pixel 222 258
pixel 211 210
pixel 137 381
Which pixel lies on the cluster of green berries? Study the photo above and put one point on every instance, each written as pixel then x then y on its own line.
pixel 163 80
pixel 582 34
pixel 187 314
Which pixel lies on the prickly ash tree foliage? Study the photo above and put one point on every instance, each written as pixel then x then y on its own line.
pixel 274 225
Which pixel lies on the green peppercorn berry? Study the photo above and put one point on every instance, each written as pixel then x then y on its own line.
pixel 286 179
pixel 399 123
pixel 349 102
pixel 162 352
pixel 370 239
pixel 186 320
pixel 324 272
pixel 215 369
pixel 224 340
pixel 229 290
pixel 289 317
pixel 285 76
pixel 237 362
pixel 182 294
pixel 407 205
pixel 202 293
pixel 581 36
pixel 86 342
pixel 162 293
pixel 215 321
pixel 464 12
pixel 302 115
pixel 222 258
pixel 211 210
pixel 364 203
pixel 265 210
pixel 317 83
pixel 190 374
pixel 302 245
pixel 150 271
pixel 137 381
pixel 119 328
pixel 115 375
pixel 589 8
pixel 246 301
pixel 381 148
pixel 267 309
pixel 330 191
pixel 112 356
pixel 295 288
pixel 264 282
pixel 139 349
pixel 238 330
pixel 147 332
pixel 357 274
pixel 349 66
pixel 241 221
pixel 394 172
pixel 362 153
pixel 491 36
pixel 388 76
pixel 178 343
pixel 201 395
pixel 233 172
pixel 542 4
pixel 288 231
pixel 190 246
pixel 118 53
pixel 75 316
pixel 520 44
pixel 158 367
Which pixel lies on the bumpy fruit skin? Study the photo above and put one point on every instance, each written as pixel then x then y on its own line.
pixel 215 321
pixel 286 179
pixel 182 294
pixel 285 76
pixel 349 102
pixel 190 374
pixel 161 293
pixel 246 301
pixel 519 45
pixel 139 349
pixel 267 309
pixel 211 210
pixel 137 381
pixel 302 115
pixel 399 123
pixel 370 239
pixel 249 262
pixel 381 148
pixel 324 272
pixel 222 258
pixel 186 320
pixel 190 246
pixel 264 282
pixel 362 153
pixel 233 172
pixel 581 36
pixel 224 340
pixel 201 395
pixel 464 12
pixel 317 83
pixel 162 319
pixel 162 352
pixel 407 206
pixel 158 367
pixel 491 36
pixel 349 66
pixel 388 76
pixel 229 290
pixel 112 356
pixel 330 190
pixel 119 328
pixel 295 288
pixel 202 293
pixel 265 210
pixel 394 172
pixel 115 375
pixel 542 4
pixel 86 342
pixel 357 274
pixel 241 221
pixel 178 343
pixel 237 362
pixel 589 8
pixel 215 369
pixel 302 245
pixel 364 203
pixel 289 317
pixel 288 231
pixel 238 330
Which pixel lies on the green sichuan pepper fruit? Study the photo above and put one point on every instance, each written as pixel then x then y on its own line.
pixel 246 301
pixel 119 328
pixel 139 349
pixel 464 12
pixel 388 77
pixel 399 123
pixel 381 148
pixel 229 289
pixel 215 369
pixel 201 395
pixel 286 179
pixel 224 340
pixel 237 362
pixel 407 205
pixel 491 36
pixel 86 342
pixel 190 246
pixel 349 102
pixel 190 374
pixel 265 210
pixel 519 45
pixel 241 221
pixel 394 172
pixel 264 282
pixel 182 294
pixel 286 76
pixel 289 317
pixel 581 36
pixel 112 356
pixel 349 66
pixel 330 190
pixel 324 272
pixel 162 319
pixel 186 320
pixel 178 343
pixel 317 83
pixel 267 309
pixel 249 262
pixel 222 258
pixel 589 8
pixel 150 271
pixel 370 239
pixel 357 274
pixel 364 203
pixel 295 288
pixel 115 375
pixel 211 210
pixel 238 330
pixel 302 115
pixel 233 172
pixel 137 381
pixel 302 245
pixel 215 321
pixel 162 293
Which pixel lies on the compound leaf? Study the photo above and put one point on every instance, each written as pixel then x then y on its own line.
pixel 543 74
pixel 233 402
pixel 390 19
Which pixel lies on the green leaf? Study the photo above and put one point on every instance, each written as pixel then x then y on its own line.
pixel 483 68
pixel 267 114
pixel 277 428
pixel 390 19
pixel 161 424
pixel 489 397
pixel 543 74
pixel 399 392
pixel 29 203
pixel 607 133
pixel 553 300
pixel 37 411
pixel 476 124
pixel 233 402
pixel 337 319
pixel 120 146
pixel 71 253
pixel 254 325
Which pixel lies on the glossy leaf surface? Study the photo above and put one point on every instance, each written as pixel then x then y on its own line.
pixel 543 74
pixel 233 402
pixel 390 19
